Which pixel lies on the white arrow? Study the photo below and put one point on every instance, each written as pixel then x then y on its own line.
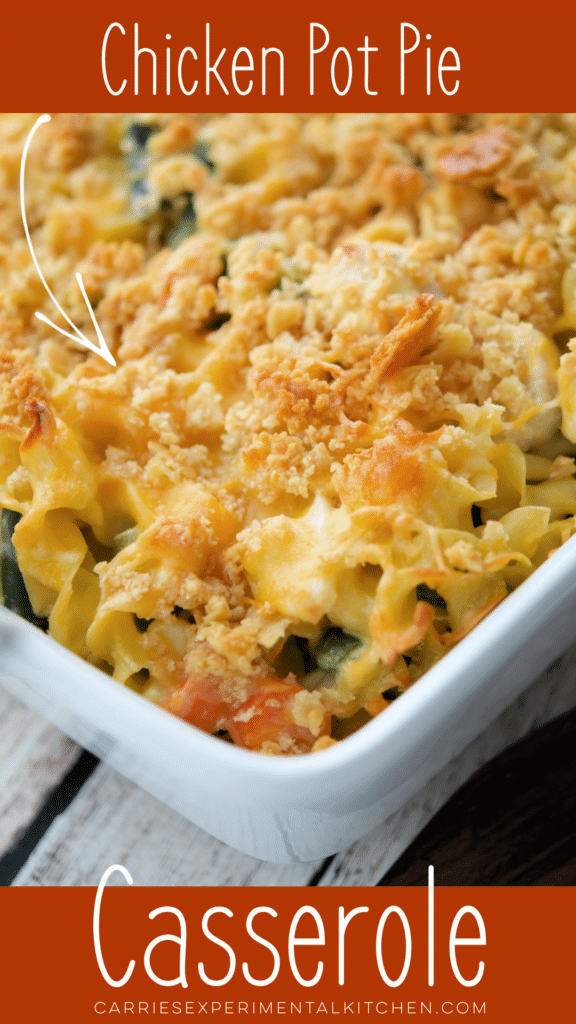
pixel 102 349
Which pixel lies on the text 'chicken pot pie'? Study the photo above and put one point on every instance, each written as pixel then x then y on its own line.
pixel 342 422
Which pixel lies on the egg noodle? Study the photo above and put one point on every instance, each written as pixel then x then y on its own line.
pixel 342 421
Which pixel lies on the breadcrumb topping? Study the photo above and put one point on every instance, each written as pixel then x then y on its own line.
pixel 342 422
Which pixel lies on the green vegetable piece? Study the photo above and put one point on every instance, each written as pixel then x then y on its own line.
pixel 334 647
pixel 200 151
pixel 142 204
pixel 182 215
pixel 136 156
pixel 13 593
pixel 216 321
pixel 141 624
pixel 182 613
pixel 182 231
pixel 122 540
pixel 424 593
pixel 138 134
pixel 393 693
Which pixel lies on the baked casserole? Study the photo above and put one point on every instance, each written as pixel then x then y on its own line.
pixel 342 420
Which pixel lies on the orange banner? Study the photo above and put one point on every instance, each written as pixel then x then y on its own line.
pixel 81 955
pixel 310 56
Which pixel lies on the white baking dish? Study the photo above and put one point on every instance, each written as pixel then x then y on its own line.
pixel 300 809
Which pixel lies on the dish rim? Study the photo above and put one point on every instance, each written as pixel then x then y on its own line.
pixel 521 612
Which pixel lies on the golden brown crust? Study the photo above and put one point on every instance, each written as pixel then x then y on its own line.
pixel 43 426
pixel 407 341
pixel 20 382
pixel 482 155
pixel 321 400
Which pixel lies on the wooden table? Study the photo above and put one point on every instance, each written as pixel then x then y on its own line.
pixel 65 817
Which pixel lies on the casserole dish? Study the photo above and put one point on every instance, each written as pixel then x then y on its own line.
pixel 301 809
pixel 328 446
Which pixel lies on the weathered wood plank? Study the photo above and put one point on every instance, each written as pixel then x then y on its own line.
pixel 112 821
pixel 34 757
pixel 513 823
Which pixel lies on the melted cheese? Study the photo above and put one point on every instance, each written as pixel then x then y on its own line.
pixel 317 428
